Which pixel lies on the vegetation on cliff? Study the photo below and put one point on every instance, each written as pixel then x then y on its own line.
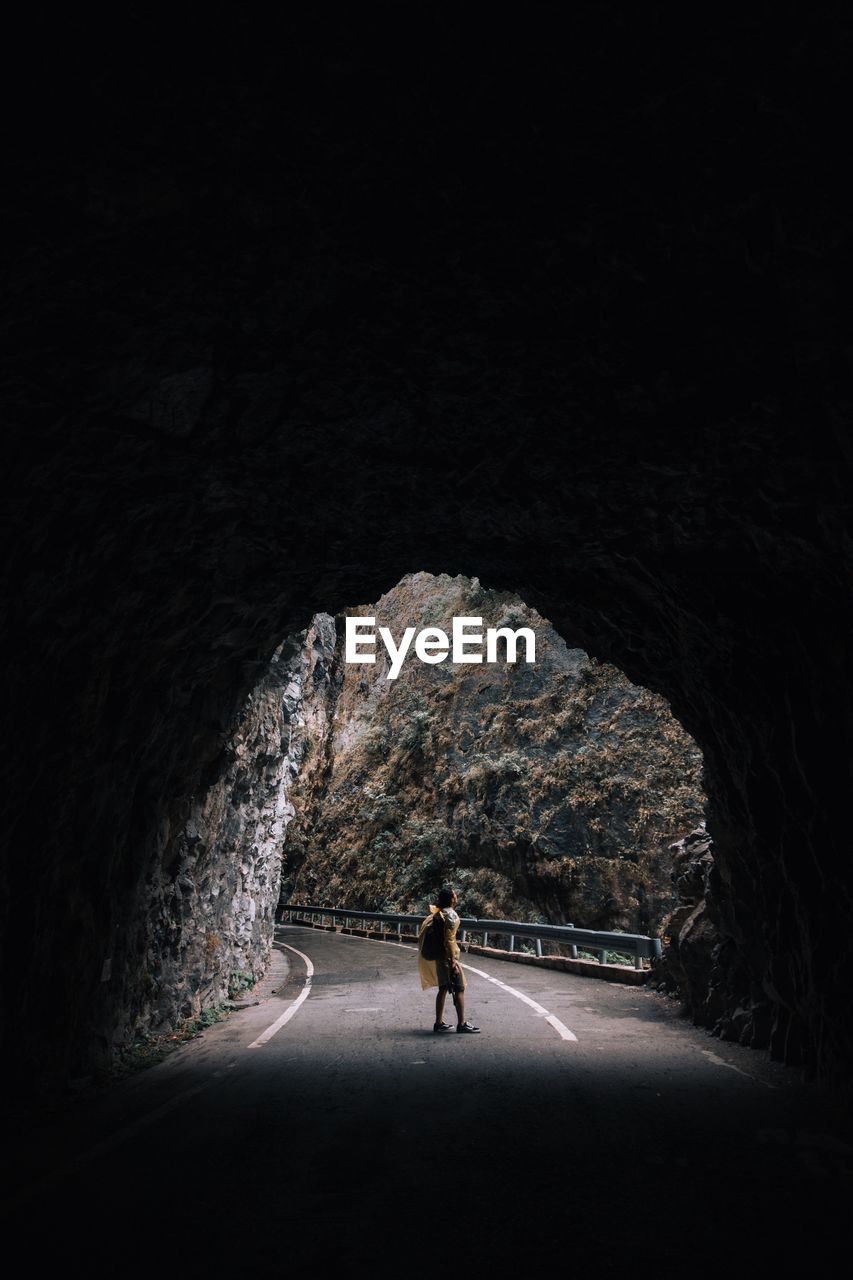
pixel 549 790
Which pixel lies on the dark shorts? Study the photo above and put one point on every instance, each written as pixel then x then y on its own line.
pixel 448 980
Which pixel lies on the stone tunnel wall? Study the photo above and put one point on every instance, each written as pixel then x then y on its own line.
pixel 202 927
pixel 208 908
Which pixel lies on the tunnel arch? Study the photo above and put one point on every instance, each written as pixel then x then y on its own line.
pixel 166 755
pixel 272 344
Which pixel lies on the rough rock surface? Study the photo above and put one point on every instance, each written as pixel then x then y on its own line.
pixel 691 933
pixel 204 918
pixel 206 915
pixel 549 790
pixel 700 959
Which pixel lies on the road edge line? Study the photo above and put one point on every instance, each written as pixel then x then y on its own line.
pixel 291 1010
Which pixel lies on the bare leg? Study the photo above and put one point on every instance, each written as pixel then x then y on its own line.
pixel 439 1005
pixel 459 1001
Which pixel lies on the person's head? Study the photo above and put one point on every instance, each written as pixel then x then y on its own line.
pixel 446 896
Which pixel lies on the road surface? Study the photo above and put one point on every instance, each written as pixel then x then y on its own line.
pixel 587 1128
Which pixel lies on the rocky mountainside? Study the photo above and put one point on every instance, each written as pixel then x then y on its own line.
pixel 549 790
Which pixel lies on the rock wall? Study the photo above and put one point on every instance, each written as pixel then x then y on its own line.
pixel 209 907
pixel 200 928
pixel 202 924
pixel 550 790
pixel 207 912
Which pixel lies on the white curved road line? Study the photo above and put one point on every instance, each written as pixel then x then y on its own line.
pixel 289 1012
pixel 560 1027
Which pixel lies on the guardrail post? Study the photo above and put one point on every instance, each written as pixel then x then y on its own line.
pixel 485 939
pixel 512 942
pixel 539 947
pixel 638 961
pixel 572 949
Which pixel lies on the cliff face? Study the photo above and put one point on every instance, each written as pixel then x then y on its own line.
pixel 548 790
pixel 206 912
pixel 201 927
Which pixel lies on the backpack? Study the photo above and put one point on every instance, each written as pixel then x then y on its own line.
pixel 432 946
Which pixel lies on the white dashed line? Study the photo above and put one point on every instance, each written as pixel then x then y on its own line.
pixel 289 1012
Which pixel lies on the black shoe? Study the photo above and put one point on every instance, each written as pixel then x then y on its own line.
pixel 469 1028
pixel 441 1026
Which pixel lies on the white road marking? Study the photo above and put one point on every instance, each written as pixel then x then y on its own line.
pixel 558 1026
pixel 289 1012
pixel 721 1062
pixel 561 1028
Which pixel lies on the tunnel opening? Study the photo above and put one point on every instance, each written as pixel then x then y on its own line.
pixel 548 789
pixel 548 786
pixel 141 927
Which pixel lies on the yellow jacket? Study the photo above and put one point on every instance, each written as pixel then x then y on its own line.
pixel 428 968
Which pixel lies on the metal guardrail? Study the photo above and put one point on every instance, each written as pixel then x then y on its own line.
pixel 593 940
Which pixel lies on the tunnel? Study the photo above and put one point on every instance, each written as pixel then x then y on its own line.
pixel 286 323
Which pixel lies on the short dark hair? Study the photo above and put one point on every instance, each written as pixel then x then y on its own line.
pixel 445 896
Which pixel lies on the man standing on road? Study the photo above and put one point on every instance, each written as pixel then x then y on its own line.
pixel 445 972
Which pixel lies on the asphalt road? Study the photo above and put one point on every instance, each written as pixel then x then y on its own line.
pixel 354 1137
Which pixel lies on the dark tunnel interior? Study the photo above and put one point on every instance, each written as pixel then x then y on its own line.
pixel 285 320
